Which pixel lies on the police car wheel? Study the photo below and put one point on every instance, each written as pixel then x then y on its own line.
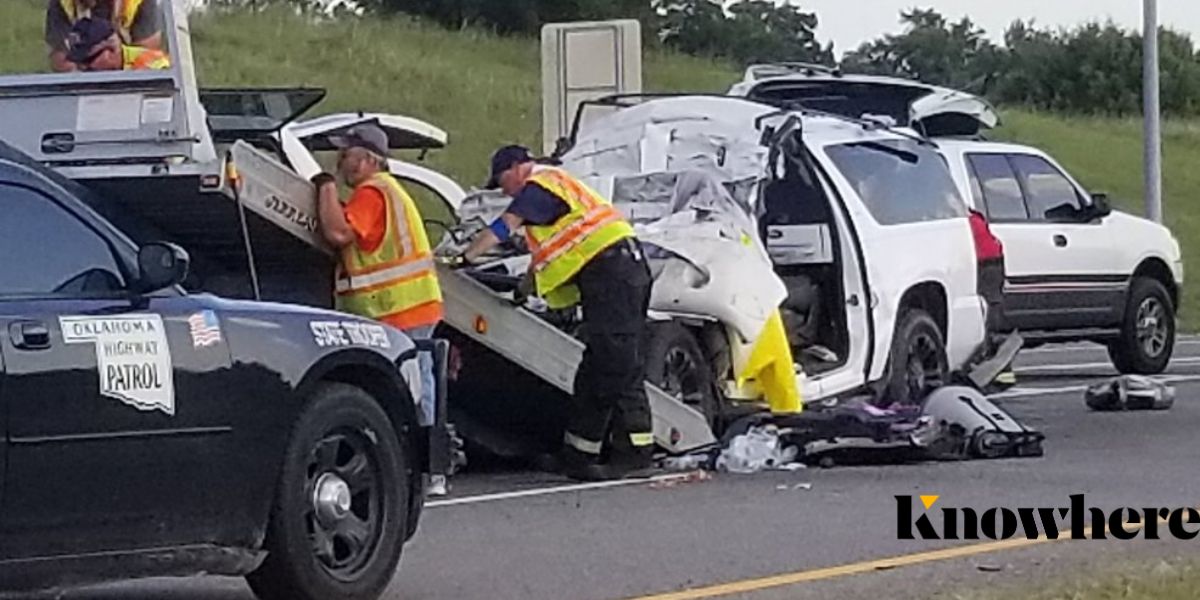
pixel 337 524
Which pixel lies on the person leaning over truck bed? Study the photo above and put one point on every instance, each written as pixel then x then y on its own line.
pixel 136 22
pixel 386 270
pixel 585 252
pixel 95 46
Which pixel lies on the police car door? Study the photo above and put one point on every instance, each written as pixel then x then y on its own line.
pixel 104 452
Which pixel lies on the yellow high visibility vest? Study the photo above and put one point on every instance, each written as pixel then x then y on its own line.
pixel 562 248
pixel 123 15
pixel 396 281
pixel 136 58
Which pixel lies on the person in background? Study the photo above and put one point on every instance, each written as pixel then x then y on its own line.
pixel 136 22
pixel 95 46
pixel 584 252
pixel 386 269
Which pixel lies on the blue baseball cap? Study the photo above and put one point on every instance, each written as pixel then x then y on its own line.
pixel 84 36
pixel 505 159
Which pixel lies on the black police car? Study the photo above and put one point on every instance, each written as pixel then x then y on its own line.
pixel 149 432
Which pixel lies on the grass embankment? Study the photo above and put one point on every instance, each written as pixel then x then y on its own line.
pixel 1137 580
pixel 485 90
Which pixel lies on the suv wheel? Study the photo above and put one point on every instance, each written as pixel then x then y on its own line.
pixel 676 364
pixel 337 524
pixel 1147 330
pixel 918 362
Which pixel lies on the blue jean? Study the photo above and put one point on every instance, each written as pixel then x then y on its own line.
pixel 428 400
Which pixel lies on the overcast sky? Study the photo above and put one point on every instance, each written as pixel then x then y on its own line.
pixel 850 22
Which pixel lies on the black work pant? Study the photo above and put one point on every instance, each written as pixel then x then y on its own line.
pixel 610 394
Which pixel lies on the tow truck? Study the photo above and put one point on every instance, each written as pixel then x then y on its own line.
pixel 224 174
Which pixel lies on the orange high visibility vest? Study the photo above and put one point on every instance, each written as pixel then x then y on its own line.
pixel 562 248
pixel 136 58
pixel 398 280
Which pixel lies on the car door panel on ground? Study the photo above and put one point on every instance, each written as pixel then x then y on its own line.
pixel 1058 258
pixel 110 441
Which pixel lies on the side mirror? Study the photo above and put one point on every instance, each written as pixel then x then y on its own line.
pixel 1100 205
pixel 160 265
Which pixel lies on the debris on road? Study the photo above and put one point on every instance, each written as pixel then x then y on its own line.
pixel 989 568
pixel 1129 392
pixel 758 449
pixel 693 477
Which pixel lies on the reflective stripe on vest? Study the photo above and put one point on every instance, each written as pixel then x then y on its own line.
pixel 136 58
pixel 124 13
pixel 561 249
pixel 400 275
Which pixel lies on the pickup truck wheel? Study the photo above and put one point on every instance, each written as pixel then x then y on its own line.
pixel 1147 332
pixel 676 364
pixel 918 362
pixel 337 524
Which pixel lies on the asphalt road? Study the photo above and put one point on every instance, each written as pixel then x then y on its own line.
pixel 814 533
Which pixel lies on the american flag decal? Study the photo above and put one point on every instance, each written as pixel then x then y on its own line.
pixel 205 329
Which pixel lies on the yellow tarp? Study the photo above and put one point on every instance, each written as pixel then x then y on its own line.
pixel 771 367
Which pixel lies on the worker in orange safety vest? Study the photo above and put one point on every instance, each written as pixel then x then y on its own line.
pixel 386 268
pixel 136 22
pixel 584 252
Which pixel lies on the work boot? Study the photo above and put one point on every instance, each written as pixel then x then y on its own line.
pixel 633 463
pixel 574 464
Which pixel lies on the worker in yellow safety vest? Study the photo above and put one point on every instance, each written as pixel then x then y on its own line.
pixel 584 252
pixel 136 22
pixel 386 268
pixel 94 46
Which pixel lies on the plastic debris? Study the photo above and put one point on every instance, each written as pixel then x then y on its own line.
pixel 1129 392
pixel 758 449
pixel 689 462
pixel 693 477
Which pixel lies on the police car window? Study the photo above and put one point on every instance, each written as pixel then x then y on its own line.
pixel 1001 194
pixel 48 251
pixel 899 181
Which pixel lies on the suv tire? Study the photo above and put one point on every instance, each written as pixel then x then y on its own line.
pixel 343 477
pixel 1147 336
pixel 918 362
pixel 676 363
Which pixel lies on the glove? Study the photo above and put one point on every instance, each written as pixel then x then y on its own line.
pixel 526 287
pixel 321 179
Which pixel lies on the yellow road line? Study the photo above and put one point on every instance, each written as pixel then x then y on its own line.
pixel 904 560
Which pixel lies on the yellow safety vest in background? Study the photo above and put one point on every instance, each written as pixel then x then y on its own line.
pixel 562 248
pixel 123 14
pixel 137 58
pixel 397 282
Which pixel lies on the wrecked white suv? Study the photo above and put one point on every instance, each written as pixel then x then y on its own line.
pixel 863 225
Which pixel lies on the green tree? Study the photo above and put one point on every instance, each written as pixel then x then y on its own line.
pixel 747 31
pixel 931 49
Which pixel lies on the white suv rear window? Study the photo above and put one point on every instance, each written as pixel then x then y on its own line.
pixel 899 181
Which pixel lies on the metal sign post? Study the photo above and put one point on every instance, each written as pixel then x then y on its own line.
pixel 1151 109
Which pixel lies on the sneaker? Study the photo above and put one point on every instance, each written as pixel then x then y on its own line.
pixel 437 486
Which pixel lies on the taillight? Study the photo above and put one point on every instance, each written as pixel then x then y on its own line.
pixel 987 245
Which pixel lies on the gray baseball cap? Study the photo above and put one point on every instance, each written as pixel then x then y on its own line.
pixel 362 136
